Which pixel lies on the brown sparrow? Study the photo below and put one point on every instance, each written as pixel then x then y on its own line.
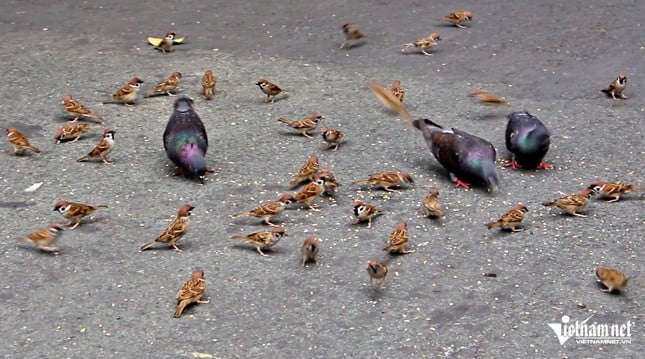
pixel 423 44
pixel 128 93
pixel 167 86
pixel 309 251
pixel 510 219
pixel 191 292
pixel 19 141
pixel 377 270
pixel 44 237
pixel 71 131
pixel 398 240
pixel 611 278
pixel 612 189
pixel 166 43
pixel 488 98
pixel 332 137
pixel 263 240
pixel 268 210
pixel 75 212
pixel 364 212
pixel 103 148
pixel 397 90
pixel 457 17
pixel 307 172
pixel 310 192
pixel 208 84
pixel 329 181
pixel 270 89
pixel 617 87
pixel 175 231
pixel 77 109
pixel 387 180
pixel 571 204
pixel 304 125
pixel 432 204
pixel 352 33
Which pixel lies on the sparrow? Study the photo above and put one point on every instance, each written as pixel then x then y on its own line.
pixel 185 140
pixel 75 212
pixel 332 137
pixel 175 231
pixel 387 180
pixel 364 212
pixel 309 251
pixel 397 90
pixel 77 109
pixel 528 140
pixel 457 17
pixel 329 181
pixel 398 240
pixel 167 86
pixel 511 219
pixel 263 240
pixel 423 44
pixel 611 278
pixel 304 125
pixel 432 204
pixel 128 93
pixel 270 89
pixel 19 141
pixel 268 210
pixel 377 270
pixel 156 41
pixel 571 204
pixel 208 84
pixel 71 131
pixel 488 98
pixel 307 172
pixel 617 87
pixel 103 148
pixel 352 33
pixel 44 237
pixel 310 192
pixel 165 45
pixel 191 292
pixel 612 189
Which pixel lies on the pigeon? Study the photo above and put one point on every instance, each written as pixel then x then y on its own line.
pixel 185 140
pixel 528 140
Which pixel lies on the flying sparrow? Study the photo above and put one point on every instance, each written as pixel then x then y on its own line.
pixel 332 137
pixel 175 231
pixel 77 109
pixel 365 212
pixel 270 89
pixel 488 98
pixel 510 219
pixel 612 189
pixel 352 33
pixel 307 172
pixel 377 270
pixel 208 84
pixel 310 192
pixel 398 240
pixel 167 86
pixel 329 181
pixel 617 87
pixel 71 131
pixel 156 41
pixel 571 204
pixel 432 204
pixel 19 141
pixel 397 90
pixel 304 125
pixel 75 212
pixel 263 240
pixel 268 210
pixel 611 278
pixel 44 237
pixel 423 44
pixel 387 180
pixel 309 251
pixel 457 17
pixel 103 148
pixel 191 292
pixel 166 43
pixel 128 93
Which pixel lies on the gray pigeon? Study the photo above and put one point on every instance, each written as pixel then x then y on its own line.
pixel 528 140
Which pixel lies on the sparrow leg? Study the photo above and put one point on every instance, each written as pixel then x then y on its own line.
pixel 407 251
pixel 623 96
pixel 460 26
pixel 170 94
pixel 544 166
pixel 513 229
pixel 175 248
pixel 425 53
pixel 203 301
pixel 342 45
pixel 105 160
pixel 382 285
pixel 48 249
pixel 267 221
pixel 460 183
pixel 614 200
pixel 75 140
pixel 578 214
pixel 306 134
pixel 513 164
pixel 387 188
pixel 369 222
pixel 336 147
pixel 261 253
pixel 75 224
pixel 314 208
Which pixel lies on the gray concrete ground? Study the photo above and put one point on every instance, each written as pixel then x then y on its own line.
pixel 102 298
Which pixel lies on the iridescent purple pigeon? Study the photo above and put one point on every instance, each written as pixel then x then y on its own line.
pixel 528 140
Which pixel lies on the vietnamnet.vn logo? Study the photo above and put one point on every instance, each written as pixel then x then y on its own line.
pixel 585 332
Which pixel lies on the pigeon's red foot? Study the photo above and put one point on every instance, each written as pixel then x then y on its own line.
pixel 462 184
pixel 513 164
pixel 544 166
